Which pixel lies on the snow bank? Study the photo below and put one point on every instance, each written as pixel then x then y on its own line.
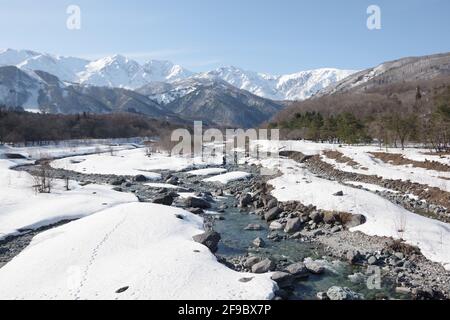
pixel 142 247
pixel 383 217
pixel 370 165
pixel 22 208
pixel 206 172
pixel 229 177
pixel 128 163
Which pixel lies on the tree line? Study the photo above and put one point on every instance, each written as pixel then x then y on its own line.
pixel 18 126
pixel 395 127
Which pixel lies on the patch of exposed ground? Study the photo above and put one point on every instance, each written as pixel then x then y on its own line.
pixel 399 160
pixel 340 158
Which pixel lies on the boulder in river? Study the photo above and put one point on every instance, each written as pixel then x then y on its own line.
pixel 245 200
pixel 340 293
pixel 314 267
pixel 209 239
pixel 264 266
pixel 283 279
pixel 251 261
pixel 253 227
pixel 259 243
pixel 272 214
pixel 298 270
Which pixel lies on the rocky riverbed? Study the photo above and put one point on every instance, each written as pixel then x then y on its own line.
pixel 310 251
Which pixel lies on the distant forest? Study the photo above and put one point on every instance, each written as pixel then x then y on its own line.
pixel 19 126
pixel 391 116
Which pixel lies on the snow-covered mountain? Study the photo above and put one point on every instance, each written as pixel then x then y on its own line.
pixel 296 86
pixel 112 71
pixel 122 72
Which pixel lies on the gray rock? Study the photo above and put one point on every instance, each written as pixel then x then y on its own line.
pixel 372 260
pixel 194 202
pixel 259 243
pixel 253 227
pixel 353 256
pixel 272 214
pixel 316 217
pixel 339 194
pixel 251 261
pixel 298 270
pixel 339 293
pixel 336 229
pixel 283 279
pixel 275 225
pixel 172 180
pixel 140 178
pixel 293 225
pixel 314 267
pixel 118 181
pixel 272 203
pixel 195 210
pixel 209 239
pixel 166 200
pixel 264 266
pixel 357 277
pixel 246 199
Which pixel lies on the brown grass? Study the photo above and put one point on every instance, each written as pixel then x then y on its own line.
pixel 398 160
pixel 340 158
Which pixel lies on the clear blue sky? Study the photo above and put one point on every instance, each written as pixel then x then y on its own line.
pixel 277 36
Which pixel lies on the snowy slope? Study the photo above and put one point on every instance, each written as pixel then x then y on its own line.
pixel 142 248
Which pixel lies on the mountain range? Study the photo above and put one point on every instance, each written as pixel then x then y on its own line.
pixel 122 72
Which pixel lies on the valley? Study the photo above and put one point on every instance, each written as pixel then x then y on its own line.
pixel 305 233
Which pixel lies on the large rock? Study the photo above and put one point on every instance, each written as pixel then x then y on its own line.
pixel 293 225
pixel 314 267
pixel 246 199
pixel 118 181
pixel 264 266
pixel 316 216
pixel 272 214
pixel 353 256
pixel 272 203
pixel 253 227
pixel 209 239
pixel 259 243
pixel 355 220
pixel 339 293
pixel 275 225
pixel 166 200
pixel 298 270
pixel 283 279
pixel 251 261
pixel 329 217
pixel 140 178
pixel 194 202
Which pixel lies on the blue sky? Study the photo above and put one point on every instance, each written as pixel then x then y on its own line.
pixel 276 36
